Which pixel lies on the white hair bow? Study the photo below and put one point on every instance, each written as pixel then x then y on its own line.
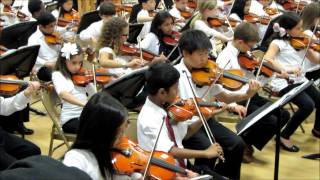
pixel 69 49
pixel 277 28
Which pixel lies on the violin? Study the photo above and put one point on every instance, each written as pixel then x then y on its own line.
pixel 68 18
pixel 127 49
pixel 232 79
pixel 123 7
pixel 249 62
pixel 291 5
pixel 11 85
pixel 271 11
pixel 299 43
pixel 192 4
pixel 53 39
pixel 128 158
pixel 253 18
pixel 84 77
pixel 19 14
pixel 182 110
pixel 217 22
pixel 173 39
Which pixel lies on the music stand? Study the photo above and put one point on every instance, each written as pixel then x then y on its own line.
pixel 87 19
pixel 19 62
pixel 134 31
pixel 17 35
pixel 129 88
pixel 250 120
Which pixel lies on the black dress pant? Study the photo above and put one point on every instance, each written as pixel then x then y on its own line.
pixel 307 101
pixel 13 148
pixel 232 145
pixel 14 122
pixel 260 133
pixel 313 75
pixel 71 126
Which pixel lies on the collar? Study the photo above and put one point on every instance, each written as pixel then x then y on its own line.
pixel 155 107
pixel 233 49
pixel 182 66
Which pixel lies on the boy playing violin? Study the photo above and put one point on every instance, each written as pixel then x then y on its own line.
pixel 162 87
pixel 144 16
pixel 245 37
pixel 195 46
pixel 49 51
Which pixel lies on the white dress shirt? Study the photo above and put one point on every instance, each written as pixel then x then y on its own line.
pixel 147 25
pixel 174 12
pixel 93 31
pixel 13 104
pixel 151 43
pixel 289 58
pixel 47 53
pixel 70 111
pixel 150 118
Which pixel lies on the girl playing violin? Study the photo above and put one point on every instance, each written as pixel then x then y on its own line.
pixel 310 17
pixel 245 37
pixel 103 122
pixel 73 97
pixel 283 55
pixel 114 34
pixel 161 27
pixel 68 18
pixel 209 9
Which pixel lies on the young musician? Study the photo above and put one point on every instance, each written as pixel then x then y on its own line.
pixel 195 46
pixel 65 12
pixel 310 17
pixel 35 7
pixel 145 15
pixel 11 146
pixel 178 7
pixel 209 9
pixel 114 33
pixel 245 37
pixel 287 59
pixel 48 53
pixel 161 26
pixel 7 13
pixel 106 12
pixel 162 87
pixel 73 96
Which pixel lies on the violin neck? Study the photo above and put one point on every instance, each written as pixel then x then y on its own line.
pixel 13 81
pixel 168 166
pixel 105 74
pixel 209 104
pixel 235 77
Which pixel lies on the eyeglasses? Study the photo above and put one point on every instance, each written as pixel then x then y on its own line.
pixel 124 35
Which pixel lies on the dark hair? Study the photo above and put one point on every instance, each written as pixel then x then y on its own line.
pixel 61 63
pixel 45 18
pixel 107 9
pixel 99 125
pixel 35 6
pixel 309 14
pixel 158 20
pixel 238 8
pixel 59 6
pixel 246 32
pixel 142 1
pixel 161 75
pixel 288 20
pixel 192 40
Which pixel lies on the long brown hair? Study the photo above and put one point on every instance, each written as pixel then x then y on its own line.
pixel 111 33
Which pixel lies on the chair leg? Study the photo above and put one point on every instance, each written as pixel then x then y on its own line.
pixel 301 127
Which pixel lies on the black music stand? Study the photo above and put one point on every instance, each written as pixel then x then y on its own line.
pixel 250 120
pixel 129 89
pixel 87 19
pixel 134 31
pixel 17 35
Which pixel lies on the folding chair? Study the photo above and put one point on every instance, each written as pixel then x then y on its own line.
pixel 52 104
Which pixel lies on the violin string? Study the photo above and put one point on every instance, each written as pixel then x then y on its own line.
pixel 309 43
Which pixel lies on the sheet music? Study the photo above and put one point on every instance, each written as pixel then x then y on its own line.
pixel 280 102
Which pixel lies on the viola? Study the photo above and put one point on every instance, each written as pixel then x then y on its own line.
pixel 53 39
pixel 232 79
pixel 128 49
pixel 182 110
pixel 173 39
pixel 11 85
pixel 84 77
pixel 128 158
